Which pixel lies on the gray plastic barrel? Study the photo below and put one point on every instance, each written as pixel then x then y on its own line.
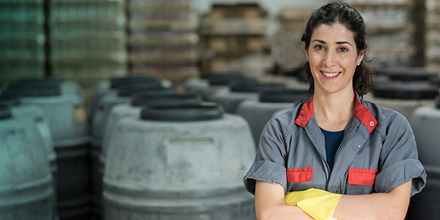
pixel 403 97
pixel 26 189
pixel 33 114
pixel 244 91
pixel 258 113
pixel 68 125
pixel 106 86
pixel 179 164
pixel 426 204
pixel 36 115
pixel 107 102
pixel 133 109
pixel 122 94
pixel 426 127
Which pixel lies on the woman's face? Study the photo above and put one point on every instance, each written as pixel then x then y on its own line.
pixel 333 58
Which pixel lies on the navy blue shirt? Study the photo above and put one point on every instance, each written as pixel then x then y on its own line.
pixel 332 141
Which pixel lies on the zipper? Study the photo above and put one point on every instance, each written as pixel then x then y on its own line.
pixel 343 141
pixel 322 158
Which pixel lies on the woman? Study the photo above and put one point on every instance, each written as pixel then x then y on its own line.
pixel 337 142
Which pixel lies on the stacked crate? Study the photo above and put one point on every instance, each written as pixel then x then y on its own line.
pixel 432 22
pixel 231 31
pixel 390 31
pixel 87 40
pixel 163 39
pixel 287 49
pixel 22 39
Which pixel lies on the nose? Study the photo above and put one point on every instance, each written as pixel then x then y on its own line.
pixel 330 58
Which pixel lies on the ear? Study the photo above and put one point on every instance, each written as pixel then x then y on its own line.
pixel 361 56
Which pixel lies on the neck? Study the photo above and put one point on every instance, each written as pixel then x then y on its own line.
pixel 333 111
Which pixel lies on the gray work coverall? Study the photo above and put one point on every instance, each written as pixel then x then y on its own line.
pixel 378 152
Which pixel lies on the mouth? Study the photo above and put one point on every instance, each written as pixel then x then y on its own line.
pixel 330 74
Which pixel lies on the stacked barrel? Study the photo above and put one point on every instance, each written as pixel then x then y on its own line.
pixel 391 31
pixel 22 39
pixel 432 23
pixel 162 38
pixel 403 89
pixel 179 162
pixel 62 104
pixel 230 32
pixel 26 183
pixel 87 38
pixel 193 172
pixel 287 49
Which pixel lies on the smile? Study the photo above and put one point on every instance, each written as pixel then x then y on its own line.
pixel 330 74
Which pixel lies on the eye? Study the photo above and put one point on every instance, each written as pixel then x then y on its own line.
pixel 319 47
pixel 343 49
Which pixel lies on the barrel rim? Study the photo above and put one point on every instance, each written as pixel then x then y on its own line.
pixel 186 112
pixel 115 82
pixel 10 100
pixel 405 91
pixel 405 74
pixel 113 186
pixel 5 113
pixel 156 92
pixel 133 89
pixel 34 91
pixel 166 100
pixel 43 182
pixel 286 96
pixel 242 199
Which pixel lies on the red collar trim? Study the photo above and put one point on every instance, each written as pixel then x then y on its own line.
pixel 305 114
pixel 360 111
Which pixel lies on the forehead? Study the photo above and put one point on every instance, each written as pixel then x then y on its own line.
pixel 333 33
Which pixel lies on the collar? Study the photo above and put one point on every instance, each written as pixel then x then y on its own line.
pixel 360 111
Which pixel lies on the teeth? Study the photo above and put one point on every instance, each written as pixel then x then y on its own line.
pixel 330 74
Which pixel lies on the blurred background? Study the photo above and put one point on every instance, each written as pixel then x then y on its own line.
pixel 113 109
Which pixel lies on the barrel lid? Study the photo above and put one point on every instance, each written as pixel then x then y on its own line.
pixel 169 100
pixel 34 90
pixel 40 81
pixel 225 82
pixel 292 72
pixel 186 112
pixel 119 81
pixel 405 74
pixel 223 79
pixel 5 113
pixel 287 96
pixel 435 80
pixel 128 90
pixel 252 87
pixel 408 91
pixel 10 100
pixel 157 92
pixel 221 74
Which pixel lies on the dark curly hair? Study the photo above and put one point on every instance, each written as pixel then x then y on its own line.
pixel 344 14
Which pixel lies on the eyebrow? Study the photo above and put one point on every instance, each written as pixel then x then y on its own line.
pixel 338 42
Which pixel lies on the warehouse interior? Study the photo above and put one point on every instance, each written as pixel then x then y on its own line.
pixel 83 76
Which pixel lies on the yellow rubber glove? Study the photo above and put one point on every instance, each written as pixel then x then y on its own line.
pixel 319 204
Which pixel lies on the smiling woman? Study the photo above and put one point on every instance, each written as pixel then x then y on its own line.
pixel 336 156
